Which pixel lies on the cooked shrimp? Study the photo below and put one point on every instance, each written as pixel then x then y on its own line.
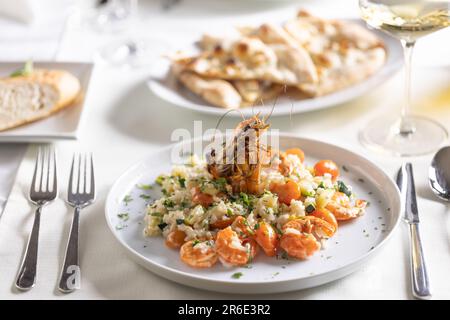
pixel 327 216
pixel 175 239
pixel 286 192
pixel 241 226
pixel 231 249
pixel 247 154
pixel 222 223
pixel 198 254
pixel 201 198
pixel 267 238
pixel 297 241
pixel 342 208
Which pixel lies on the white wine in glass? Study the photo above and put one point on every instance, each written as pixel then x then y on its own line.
pixel 406 20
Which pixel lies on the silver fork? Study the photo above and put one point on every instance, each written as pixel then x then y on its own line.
pixel 79 197
pixel 40 194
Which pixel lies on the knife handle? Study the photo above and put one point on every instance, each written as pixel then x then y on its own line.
pixel 419 274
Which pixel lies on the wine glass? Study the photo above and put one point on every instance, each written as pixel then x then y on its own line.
pixel 406 20
pixel 133 51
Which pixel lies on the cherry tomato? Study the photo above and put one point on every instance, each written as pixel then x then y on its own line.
pixel 298 152
pixel 326 166
pixel 286 192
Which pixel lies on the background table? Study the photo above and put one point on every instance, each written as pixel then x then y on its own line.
pixel 125 122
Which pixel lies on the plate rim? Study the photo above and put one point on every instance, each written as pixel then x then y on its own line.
pixel 388 70
pixel 341 271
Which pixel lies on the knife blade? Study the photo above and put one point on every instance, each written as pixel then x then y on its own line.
pixel 419 274
pixel 405 182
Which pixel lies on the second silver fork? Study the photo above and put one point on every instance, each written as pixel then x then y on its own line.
pixel 81 193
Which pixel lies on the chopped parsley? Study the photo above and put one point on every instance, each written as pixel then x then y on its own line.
pixel 195 242
pixel 229 212
pixel 256 227
pixel 220 184
pixel 123 216
pixel 341 187
pixel 127 199
pixel 182 182
pixel 245 199
pixel 145 196
pixel 160 180
pixel 237 275
pixel 144 186
pixel 169 203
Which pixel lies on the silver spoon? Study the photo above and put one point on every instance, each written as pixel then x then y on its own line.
pixel 439 174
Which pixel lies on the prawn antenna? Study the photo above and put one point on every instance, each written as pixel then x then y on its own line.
pixel 221 119
pixel 273 107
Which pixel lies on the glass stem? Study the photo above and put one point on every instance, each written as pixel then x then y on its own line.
pixel 406 124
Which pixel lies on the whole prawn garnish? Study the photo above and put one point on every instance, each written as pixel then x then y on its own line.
pixel 241 159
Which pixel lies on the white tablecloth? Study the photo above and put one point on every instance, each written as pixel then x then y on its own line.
pixel 125 122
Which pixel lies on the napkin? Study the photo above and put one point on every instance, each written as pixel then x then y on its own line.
pixel 10 159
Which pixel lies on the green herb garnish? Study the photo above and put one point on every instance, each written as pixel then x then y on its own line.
pixel 26 70
pixel 169 203
pixel 144 186
pixel 237 275
pixel 127 199
pixel 160 180
pixel 195 242
pixel 123 216
pixel 145 196
pixel 341 187
pixel 182 182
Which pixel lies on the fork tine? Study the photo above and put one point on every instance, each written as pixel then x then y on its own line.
pixel 92 190
pixel 44 152
pixel 71 175
pixel 55 180
pixel 79 174
pixel 85 173
pixel 36 164
pixel 49 158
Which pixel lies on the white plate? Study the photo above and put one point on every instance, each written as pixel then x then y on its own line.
pixel 63 125
pixel 169 89
pixel 353 244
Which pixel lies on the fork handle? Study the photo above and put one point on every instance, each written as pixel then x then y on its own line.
pixel 70 273
pixel 27 273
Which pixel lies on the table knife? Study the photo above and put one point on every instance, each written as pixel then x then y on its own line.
pixel 419 275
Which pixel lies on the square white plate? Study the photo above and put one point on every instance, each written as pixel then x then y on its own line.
pixel 63 125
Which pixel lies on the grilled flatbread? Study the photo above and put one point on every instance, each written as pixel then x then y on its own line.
pixel 344 53
pixel 249 58
pixel 25 99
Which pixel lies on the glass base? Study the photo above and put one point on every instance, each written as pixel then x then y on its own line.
pixel 384 135
pixel 132 53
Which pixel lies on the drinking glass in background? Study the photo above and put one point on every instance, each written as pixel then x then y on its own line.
pixel 131 50
pixel 406 20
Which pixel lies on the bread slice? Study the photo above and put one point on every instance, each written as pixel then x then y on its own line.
pixel 24 99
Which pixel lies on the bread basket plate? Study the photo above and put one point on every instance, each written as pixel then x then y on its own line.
pixel 63 125
pixel 354 244
pixel 166 87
